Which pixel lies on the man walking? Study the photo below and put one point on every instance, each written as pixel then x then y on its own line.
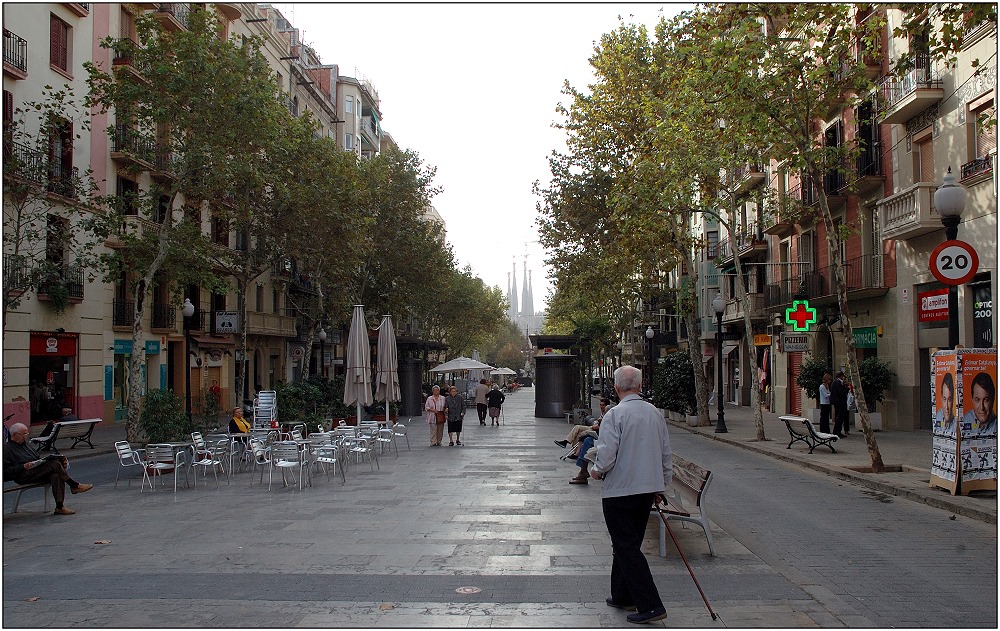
pixel 481 391
pixel 633 458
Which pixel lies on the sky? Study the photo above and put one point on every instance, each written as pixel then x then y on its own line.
pixel 472 88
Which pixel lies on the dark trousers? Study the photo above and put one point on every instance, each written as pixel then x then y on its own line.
pixel 51 471
pixel 631 581
pixel 839 419
pixel 824 417
pixel 481 410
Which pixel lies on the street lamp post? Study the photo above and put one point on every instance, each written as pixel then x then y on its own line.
pixel 719 305
pixel 649 341
pixel 187 311
pixel 949 200
pixel 322 351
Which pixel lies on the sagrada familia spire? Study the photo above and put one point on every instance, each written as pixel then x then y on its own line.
pixel 525 316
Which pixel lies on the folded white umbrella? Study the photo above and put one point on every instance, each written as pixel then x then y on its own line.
pixel 387 382
pixel 358 382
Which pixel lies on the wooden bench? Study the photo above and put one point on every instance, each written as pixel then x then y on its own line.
pixel 79 431
pixel 21 488
pixel 689 485
pixel 812 437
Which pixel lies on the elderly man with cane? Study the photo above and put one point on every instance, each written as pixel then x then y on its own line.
pixel 633 459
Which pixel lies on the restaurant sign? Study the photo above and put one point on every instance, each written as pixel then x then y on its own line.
pixel 794 342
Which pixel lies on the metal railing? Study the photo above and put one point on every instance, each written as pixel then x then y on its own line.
pixel 977 166
pixel 122 312
pixel 16 272
pixel 163 316
pixel 62 181
pixel 895 89
pixel 127 140
pixel 742 240
pixel 179 10
pixel 71 277
pixel 790 281
pixel 15 51
pixel 26 162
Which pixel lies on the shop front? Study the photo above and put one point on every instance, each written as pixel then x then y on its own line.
pixel 53 365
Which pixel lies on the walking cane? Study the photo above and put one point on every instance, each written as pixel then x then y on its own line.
pixel 683 558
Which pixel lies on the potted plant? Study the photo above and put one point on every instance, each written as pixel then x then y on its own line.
pixel 673 387
pixel 876 379
pixel 810 378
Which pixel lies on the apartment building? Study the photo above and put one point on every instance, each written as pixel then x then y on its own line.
pixel 80 354
pixel 918 128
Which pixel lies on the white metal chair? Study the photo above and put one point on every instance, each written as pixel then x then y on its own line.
pixel 218 452
pixel 127 457
pixel 160 459
pixel 331 453
pixel 287 455
pixel 260 456
pixel 265 409
pixel 399 429
pixel 363 446
pixel 386 439
pixel 200 446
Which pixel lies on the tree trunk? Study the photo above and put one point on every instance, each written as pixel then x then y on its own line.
pixel 852 356
pixel 240 377
pixel 741 295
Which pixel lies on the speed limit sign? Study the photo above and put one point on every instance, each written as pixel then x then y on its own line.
pixel 954 262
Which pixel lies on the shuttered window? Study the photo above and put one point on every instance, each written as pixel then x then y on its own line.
pixel 8 107
pixel 986 129
pixel 58 43
pixel 926 157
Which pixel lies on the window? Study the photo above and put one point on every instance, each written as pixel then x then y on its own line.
pixel 924 171
pixel 349 142
pixel 260 298
pixel 126 26
pixel 984 118
pixel 220 231
pixel 128 191
pixel 56 234
pixel 61 159
pixel 712 237
pixel 59 43
pixel 275 302
pixel 349 104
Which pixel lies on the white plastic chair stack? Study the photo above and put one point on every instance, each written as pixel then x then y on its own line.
pixel 265 409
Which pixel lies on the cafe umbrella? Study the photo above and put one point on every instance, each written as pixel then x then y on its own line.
pixel 387 365
pixel 357 382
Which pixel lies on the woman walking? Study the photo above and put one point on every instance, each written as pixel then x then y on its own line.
pixel 454 407
pixel 434 415
pixel 495 399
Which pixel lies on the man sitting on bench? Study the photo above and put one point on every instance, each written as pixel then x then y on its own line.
pixel 24 465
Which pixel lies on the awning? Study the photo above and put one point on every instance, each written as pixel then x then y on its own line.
pixel 213 341
pixel 729 347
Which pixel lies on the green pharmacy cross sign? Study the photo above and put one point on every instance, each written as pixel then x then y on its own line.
pixel 800 315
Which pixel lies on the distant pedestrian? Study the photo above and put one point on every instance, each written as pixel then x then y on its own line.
pixel 824 403
pixel 838 397
pixel 434 415
pixel 481 406
pixel 633 459
pixel 494 401
pixel 454 407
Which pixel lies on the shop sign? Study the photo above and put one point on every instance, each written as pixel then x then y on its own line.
pixel 762 339
pixel 794 343
pixel 866 337
pixel 51 345
pixel 152 347
pixel 123 347
pixel 800 315
pixel 933 305
pixel 227 322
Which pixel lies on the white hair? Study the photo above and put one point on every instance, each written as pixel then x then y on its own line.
pixel 628 379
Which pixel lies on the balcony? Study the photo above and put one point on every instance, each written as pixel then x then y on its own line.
pixel 70 278
pixel 62 180
pixel 977 170
pixel 909 213
pixel 746 178
pixel 903 98
pixel 779 222
pixel 123 59
pixel 164 161
pixel 81 9
pixel 25 163
pixel 369 132
pixel 135 227
pixel 748 242
pixel 797 281
pixel 270 324
pixel 163 316
pixel 758 309
pixel 122 313
pixel 173 16
pixel 15 55
pixel 130 147
pixel 868 174
pixel 17 276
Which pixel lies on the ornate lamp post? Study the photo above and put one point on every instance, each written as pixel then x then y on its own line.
pixel 949 200
pixel 187 311
pixel 719 305
pixel 322 349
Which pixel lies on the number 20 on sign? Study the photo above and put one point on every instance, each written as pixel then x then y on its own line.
pixel 954 262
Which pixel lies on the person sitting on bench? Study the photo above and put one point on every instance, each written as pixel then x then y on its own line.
pixel 24 465
pixel 577 432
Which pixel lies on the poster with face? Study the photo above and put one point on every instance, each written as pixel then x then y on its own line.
pixel 944 422
pixel 977 406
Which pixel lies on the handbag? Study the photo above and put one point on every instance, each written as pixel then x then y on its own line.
pixel 439 416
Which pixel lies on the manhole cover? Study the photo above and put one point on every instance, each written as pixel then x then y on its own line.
pixel 468 590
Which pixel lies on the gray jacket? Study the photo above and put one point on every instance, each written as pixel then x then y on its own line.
pixel 633 451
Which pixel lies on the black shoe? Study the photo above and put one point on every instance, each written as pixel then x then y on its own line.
pixel 562 443
pixel 482 422
pixel 612 603
pixel 649 616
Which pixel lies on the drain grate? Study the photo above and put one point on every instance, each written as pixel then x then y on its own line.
pixel 468 590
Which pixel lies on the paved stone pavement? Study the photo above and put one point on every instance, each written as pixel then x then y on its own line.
pixel 484 535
